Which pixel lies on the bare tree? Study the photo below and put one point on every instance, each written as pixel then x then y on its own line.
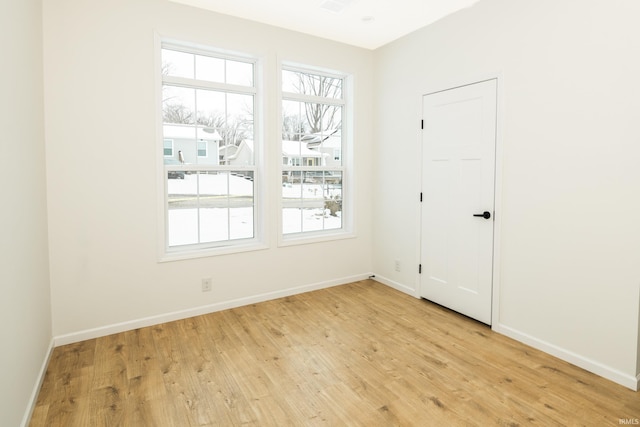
pixel 176 113
pixel 319 117
pixel 292 128
pixel 232 131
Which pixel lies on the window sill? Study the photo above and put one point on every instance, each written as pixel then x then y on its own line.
pixel 310 238
pixel 195 253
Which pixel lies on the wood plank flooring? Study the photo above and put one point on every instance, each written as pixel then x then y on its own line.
pixel 360 354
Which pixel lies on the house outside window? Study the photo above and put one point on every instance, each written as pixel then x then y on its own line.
pixel 314 111
pixel 208 112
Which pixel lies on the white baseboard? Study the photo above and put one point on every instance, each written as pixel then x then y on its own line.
pixel 197 311
pixel 397 286
pixel 36 388
pixel 597 368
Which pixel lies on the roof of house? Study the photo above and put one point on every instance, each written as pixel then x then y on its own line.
pixel 298 149
pixel 289 149
pixel 189 132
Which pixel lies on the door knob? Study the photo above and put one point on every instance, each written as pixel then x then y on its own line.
pixel 485 215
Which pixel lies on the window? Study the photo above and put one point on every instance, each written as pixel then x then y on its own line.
pixel 208 103
pixel 313 113
pixel 202 148
pixel 168 147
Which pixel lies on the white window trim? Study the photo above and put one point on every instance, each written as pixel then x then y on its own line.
pixel 348 185
pixel 258 242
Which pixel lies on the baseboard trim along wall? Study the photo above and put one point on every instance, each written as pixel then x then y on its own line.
pixel 604 371
pixel 397 286
pixel 197 311
pixel 36 388
pixel 592 366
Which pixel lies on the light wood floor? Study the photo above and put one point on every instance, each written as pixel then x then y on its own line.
pixel 359 354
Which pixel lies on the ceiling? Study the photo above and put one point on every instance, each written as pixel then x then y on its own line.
pixel 364 23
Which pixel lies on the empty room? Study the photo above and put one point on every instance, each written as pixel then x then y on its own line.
pixel 320 212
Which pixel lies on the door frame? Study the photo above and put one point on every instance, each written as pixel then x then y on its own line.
pixel 497 215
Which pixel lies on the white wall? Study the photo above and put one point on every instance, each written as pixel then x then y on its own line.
pixel 25 316
pixel 570 241
pixel 101 165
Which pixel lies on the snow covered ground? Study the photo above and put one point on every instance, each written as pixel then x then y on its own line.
pixel 194 225
pixel 211 184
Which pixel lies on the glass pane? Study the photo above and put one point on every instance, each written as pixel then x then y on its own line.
pixel 321 118
pixel 290 81
pixel 239 108
pixel 226 205
pixel 178 64
pixel 292 151
pixel 331 118
pixel 239 73
pixel 332 200
pixel 291 220
pixel 313 207
pixel 239 126
pixel 311 84
pixel 312 201
pixel 331 87
pixel 207 151
pixel 292 123
pixel 241 201
pixel 209 69
pixel 182 215
pixel 184 144
pixel 292 185
pixel 178 105
pixel 214 225
pixel 291 200
pixel 211 107
pixel 214 204
pixel 330 145
pixel 310 122
pixel 311 219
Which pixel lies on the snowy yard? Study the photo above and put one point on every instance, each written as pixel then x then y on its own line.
pixel 224 209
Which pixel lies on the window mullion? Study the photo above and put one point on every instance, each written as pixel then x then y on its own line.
pixel 290 96
pixel 202 84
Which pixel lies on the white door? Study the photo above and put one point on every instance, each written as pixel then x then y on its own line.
pixel 458 184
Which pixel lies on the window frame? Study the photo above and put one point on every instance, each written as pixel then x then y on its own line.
pixel 346 168
pixel 257 242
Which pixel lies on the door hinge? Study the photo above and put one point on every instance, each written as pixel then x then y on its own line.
pixel 421 124
pixel 419 268
pixel 421 197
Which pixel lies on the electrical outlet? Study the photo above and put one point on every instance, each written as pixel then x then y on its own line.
pixel 206 284
pixel 398 265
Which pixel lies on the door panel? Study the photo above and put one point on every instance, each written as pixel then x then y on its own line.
pixel 458 181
